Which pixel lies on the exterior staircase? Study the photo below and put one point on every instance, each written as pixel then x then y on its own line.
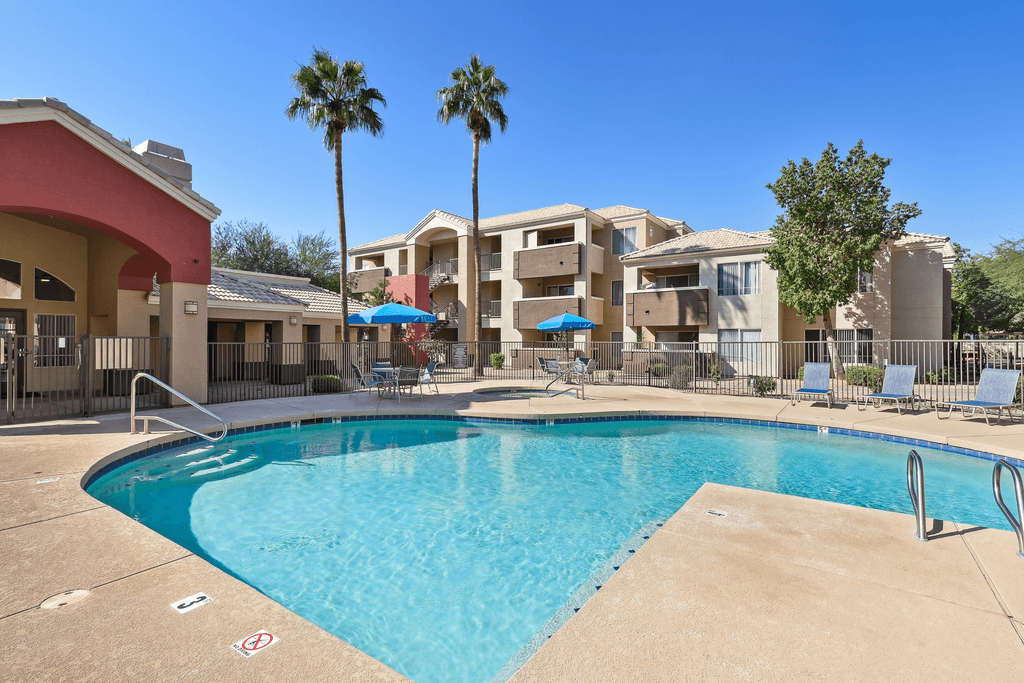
pixel 446 315
pixel 442 273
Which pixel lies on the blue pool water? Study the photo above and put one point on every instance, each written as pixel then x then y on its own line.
pixel 440 548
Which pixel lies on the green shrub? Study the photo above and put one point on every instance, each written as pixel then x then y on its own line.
pixel 716 373
pixel 800 373
pixel 941 376
pixel 325 384
pixel 611 376
pixel 762 385
pixel 865 376
pixel 497 360
pixel 681 377
pixel 659 369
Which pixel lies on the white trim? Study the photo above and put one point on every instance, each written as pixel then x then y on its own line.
pixel 105 143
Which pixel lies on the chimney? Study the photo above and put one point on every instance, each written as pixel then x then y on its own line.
pixel 170 160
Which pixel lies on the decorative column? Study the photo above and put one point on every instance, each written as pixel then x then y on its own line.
pixel 187 330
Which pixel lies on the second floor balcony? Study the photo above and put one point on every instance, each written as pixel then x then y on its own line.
pixel 367 278
pixel 551 260
pixel 671 307
pixel 526 313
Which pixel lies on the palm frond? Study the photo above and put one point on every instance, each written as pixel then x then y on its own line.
pixel 472 94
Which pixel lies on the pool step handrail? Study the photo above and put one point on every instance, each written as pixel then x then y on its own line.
pixel 564 374
pixel 915 487
pixel 1018 489
pixel 146 418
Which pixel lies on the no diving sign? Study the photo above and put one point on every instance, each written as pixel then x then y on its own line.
pixel 254 644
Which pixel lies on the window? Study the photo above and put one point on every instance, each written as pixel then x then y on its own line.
pixel 855 346
pixel 739 278
pixel 54 341
pixel 10 279
pixel 623 240
pixel 559 240
pixel 737 346
pixel 493 309
pixel 690 280
pixel 616 292
pixel 495 261
pixel 50 288
pixel 560 290
pixel 865 281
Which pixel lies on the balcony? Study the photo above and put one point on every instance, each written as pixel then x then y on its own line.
pixel 548 261
pixel 526 313
pixel 667 307
pixel 595 259
pixel 366 279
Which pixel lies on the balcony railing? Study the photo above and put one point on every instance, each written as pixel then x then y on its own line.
pixel 493 309
pixel 548 261
pixel 667 307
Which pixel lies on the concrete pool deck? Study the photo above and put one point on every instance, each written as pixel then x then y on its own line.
pixel 782 588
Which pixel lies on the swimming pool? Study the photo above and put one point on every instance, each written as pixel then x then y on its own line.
pixel 442 547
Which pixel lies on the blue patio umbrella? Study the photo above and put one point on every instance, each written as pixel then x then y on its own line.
pixel 391 313
pixel 565 322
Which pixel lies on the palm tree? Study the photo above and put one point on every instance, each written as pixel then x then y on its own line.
pixel 473 95
pixel 334 97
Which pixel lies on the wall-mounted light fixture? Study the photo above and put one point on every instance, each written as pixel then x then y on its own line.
pixel 293 320
pixel 191 308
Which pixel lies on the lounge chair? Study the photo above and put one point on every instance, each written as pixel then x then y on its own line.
pixel 815 383
pixel 897 386
pixel 996 389
pixel 427 378
pixel 408 377
pixel 371 381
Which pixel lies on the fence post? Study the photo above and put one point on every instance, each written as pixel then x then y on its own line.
pixel 87 364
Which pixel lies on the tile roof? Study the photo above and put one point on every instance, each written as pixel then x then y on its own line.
pixel 618 211
pixel 382 242
pixel 114 143
pixel 531 215
pixel 225 287
pixel 705 240
pixel 264 289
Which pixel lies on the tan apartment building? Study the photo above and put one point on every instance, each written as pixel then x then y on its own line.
pixel 536 264
pixel 642 277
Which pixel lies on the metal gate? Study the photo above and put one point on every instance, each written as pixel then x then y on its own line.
pixel 46 377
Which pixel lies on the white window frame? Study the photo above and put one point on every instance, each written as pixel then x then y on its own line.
pixel 865 281
pixel 623 240
pixel 746 276
pixel 737 345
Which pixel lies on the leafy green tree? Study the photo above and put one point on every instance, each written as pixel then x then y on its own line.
pixel 1005 268
pixel 835 219
pixel 253 246
pixel 379 295
pixel 473 95
pixel 335 97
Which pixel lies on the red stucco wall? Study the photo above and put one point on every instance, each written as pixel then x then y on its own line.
pixel 48 170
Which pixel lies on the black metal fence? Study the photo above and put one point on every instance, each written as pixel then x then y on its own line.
pixel 946 370
pixel 45 377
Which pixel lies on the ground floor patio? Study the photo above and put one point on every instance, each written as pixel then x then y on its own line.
pixel 781 588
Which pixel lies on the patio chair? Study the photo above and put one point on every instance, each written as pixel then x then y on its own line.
pixel 427 378
pixel 544 367
pixel 996 390
pixel 408 377
pixel 380 365
pixel 585 366
pixel 897 386
pixel 815 383
pixel 371 381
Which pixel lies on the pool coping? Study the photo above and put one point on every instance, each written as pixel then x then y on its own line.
pixel 877 425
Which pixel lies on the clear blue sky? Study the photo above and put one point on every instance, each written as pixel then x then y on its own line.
pixel 686 109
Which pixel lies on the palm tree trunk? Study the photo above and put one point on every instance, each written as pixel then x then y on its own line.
pixel 342 239
pixel 478 367
pixel 833 349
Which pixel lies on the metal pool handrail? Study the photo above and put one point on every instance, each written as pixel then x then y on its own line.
pixel 915 487
pixel 146 418
pixel 1018 489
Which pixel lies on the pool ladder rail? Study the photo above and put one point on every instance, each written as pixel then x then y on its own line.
pixel 1018 489
pixel 147 418
pixel 915 487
